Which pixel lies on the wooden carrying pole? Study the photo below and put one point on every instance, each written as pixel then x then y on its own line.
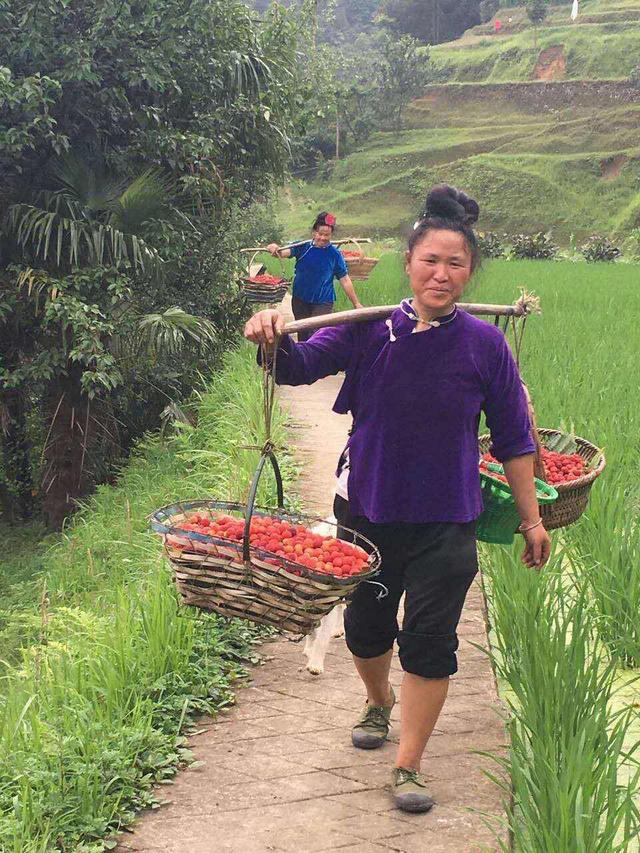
pixel 302 242
pixel 382 312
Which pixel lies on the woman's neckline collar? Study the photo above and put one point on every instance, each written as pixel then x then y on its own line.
pixel 406 306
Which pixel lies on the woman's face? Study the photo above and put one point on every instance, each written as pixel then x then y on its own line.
pixel 322 236
pixel 439 268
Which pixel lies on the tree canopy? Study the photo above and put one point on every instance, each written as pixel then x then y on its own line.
pixel 132 134
pixel 431 21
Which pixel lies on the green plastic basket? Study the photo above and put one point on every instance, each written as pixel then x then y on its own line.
pixel 500 520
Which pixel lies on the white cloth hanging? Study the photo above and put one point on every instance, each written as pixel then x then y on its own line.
pixel 575 9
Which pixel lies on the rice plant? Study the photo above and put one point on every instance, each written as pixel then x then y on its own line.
pixel 605 556
pixel 568 748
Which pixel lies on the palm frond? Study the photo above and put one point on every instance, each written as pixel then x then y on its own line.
pixel 89 187
pixel 147 197
pixel 173 330
pixel 173 417
pixel 51 236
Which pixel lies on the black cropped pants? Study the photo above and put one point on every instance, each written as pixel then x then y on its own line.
pixel 434 565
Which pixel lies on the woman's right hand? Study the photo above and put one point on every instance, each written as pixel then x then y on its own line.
pixel 273 249
pixel 264 327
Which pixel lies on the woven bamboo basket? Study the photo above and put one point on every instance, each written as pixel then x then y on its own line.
pixel 573 497
pixel 212 574
pixel 261 293
pixel 360 267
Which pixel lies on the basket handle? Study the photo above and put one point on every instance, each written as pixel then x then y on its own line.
pixel 259 252
pixel 355 242
pixel 251 501
pixel 538 465
pixel 252 261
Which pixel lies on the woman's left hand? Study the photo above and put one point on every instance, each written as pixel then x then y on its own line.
pixel 538 547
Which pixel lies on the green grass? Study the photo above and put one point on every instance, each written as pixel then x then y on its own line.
pixel 101 668
pixel 529 168
pixel 25 549
pixel 593 52
pixel 570 763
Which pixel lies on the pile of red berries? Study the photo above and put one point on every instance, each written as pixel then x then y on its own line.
pixel 271 280
pixel 558 467
pixel 351 255
pixel 291 542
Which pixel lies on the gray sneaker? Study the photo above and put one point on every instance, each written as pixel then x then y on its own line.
pixel 409 790
pixel 372 730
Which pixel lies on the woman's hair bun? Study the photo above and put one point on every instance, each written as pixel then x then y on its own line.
pixel 445 202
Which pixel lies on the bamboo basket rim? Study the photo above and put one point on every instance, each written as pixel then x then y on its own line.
pixel 594 451
pixel 279 283
pixel 261 553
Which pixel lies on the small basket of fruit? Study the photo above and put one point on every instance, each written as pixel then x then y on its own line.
pixel 265 565
pixel 264 288
pixel 571 465
pixel 359 266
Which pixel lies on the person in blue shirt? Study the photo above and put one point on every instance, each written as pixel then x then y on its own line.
pixel 318 263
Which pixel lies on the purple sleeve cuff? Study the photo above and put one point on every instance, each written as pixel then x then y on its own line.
pixel 503 453
pixel 326 353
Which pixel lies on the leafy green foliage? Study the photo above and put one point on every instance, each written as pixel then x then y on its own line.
pixel 537 11
pixel 538 246
pixel 599 248
pixel 102 669
pixel 211 95
pixel 488 9
pixel 403 73
pixel 491 245
pixel 131 135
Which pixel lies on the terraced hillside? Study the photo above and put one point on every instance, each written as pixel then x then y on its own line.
pixel 561 154
pixel 603 44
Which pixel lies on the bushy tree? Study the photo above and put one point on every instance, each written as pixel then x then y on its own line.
pixel 537 12
pixel 488 9
pixel 131 135
pixel 403 72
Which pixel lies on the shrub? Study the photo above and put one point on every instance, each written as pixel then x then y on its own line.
pixel 490 245
pixel 631 245
pixel 634 77
pixel 538 246
pixel 599 248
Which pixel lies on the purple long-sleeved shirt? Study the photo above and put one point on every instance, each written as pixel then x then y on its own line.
pixel 416 401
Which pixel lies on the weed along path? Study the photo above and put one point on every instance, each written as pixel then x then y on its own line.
pixel 278 772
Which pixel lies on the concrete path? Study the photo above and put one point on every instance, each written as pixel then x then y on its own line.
pixel 279 773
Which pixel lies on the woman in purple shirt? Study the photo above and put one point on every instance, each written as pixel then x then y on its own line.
pixel 416 385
